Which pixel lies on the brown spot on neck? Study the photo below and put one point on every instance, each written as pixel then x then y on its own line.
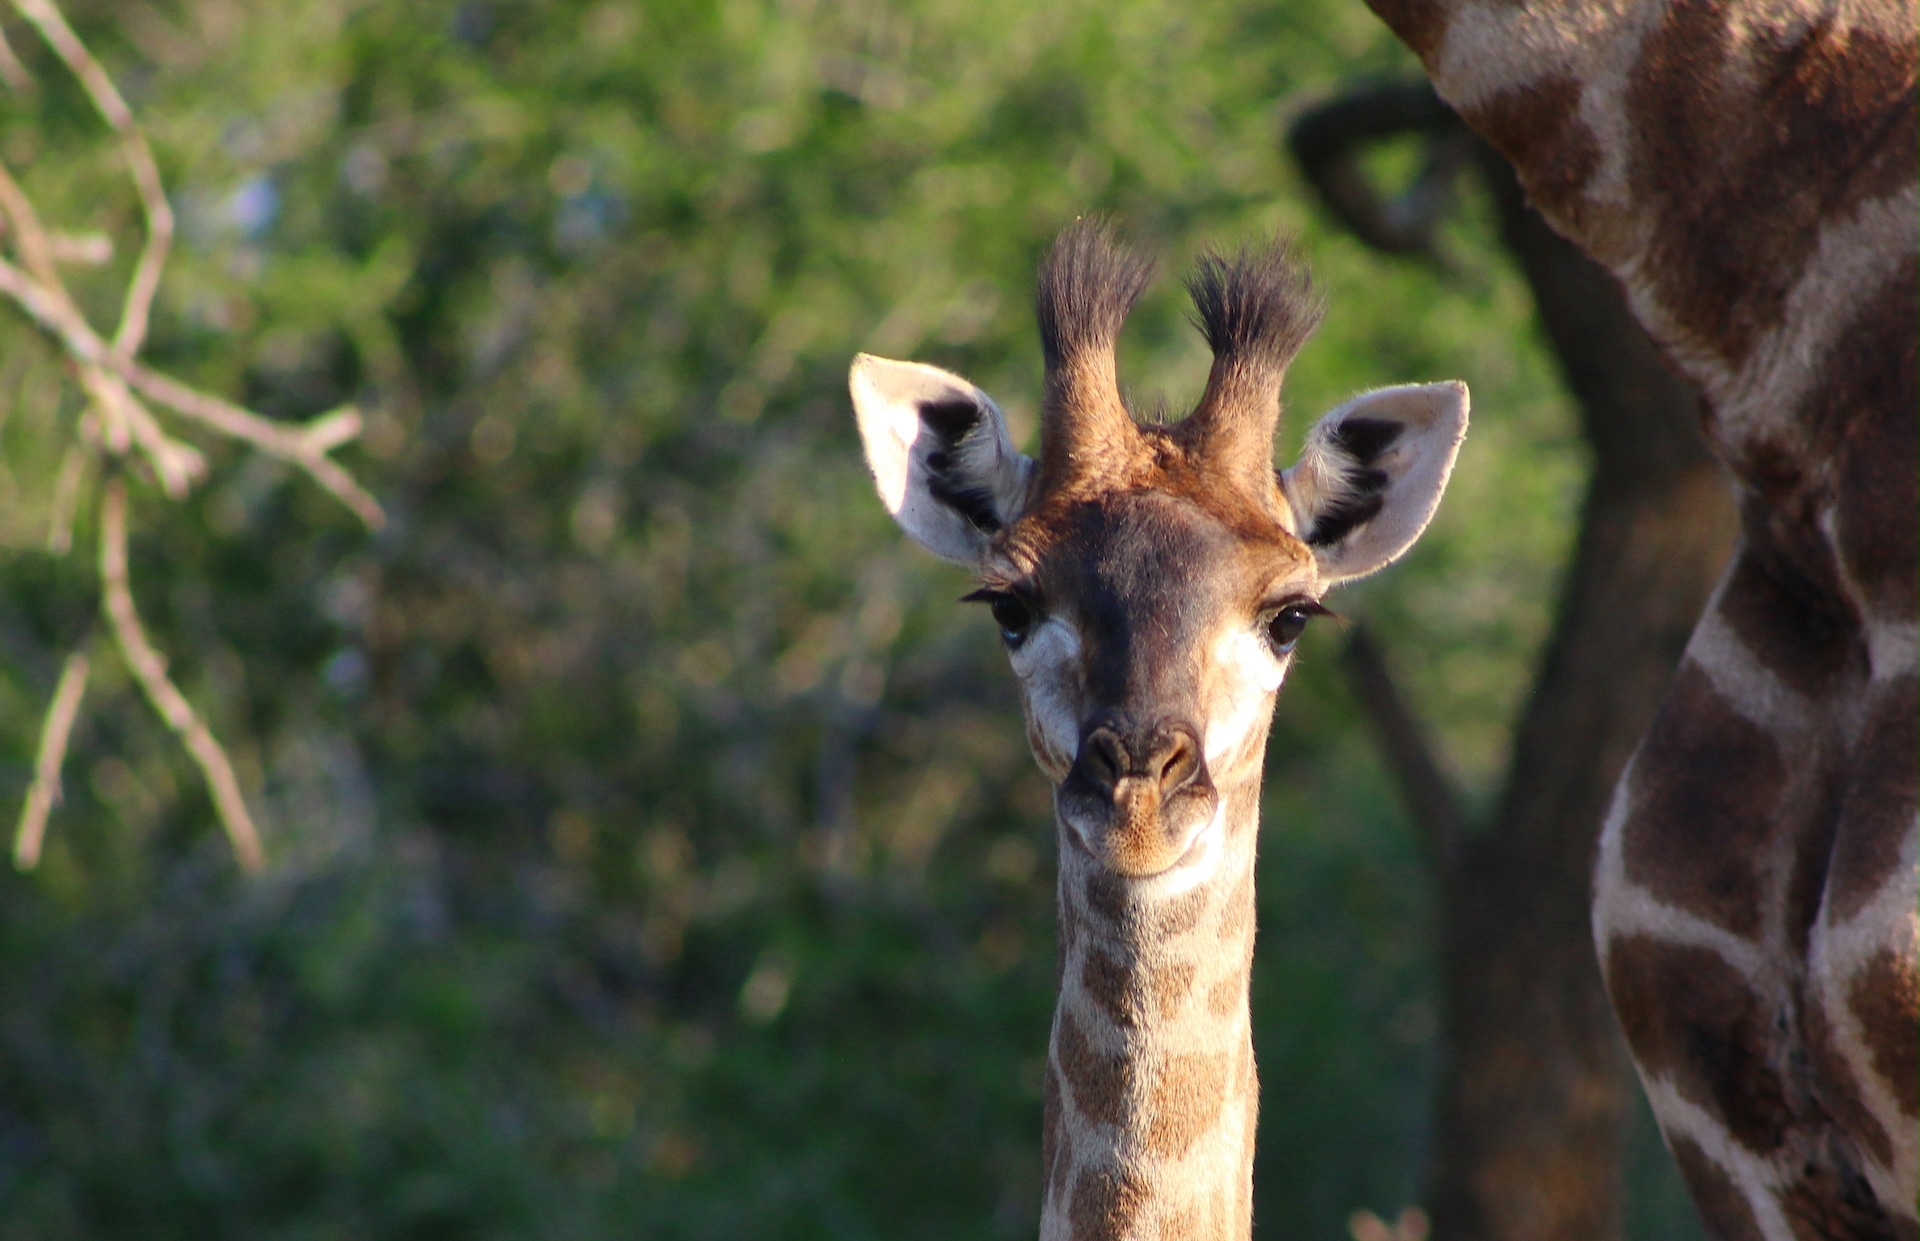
pixel 1538 128
pixel 1746 140
pixel 1706 792
pixel 1885 997
pixel 1785 603
pixel 1420 24
pixel 1107 1204
pixel 1133 992
pixel 1143 919
pixel 1880 801
pixel 1714 1191
pixel 1098 1082
pixel 1872 377
pixel 1185 1102
pixel 1696 1022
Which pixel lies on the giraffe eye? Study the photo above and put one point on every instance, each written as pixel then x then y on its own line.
pixel 1014 617
pixel 1285 626
pixel 1011 612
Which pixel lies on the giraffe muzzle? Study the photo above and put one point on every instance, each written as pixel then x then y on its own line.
pixel 1137 798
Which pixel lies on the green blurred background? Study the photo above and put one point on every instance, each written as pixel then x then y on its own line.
pixel 655 850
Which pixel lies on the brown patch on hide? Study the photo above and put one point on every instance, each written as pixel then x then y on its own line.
pixel 1692 1019
pixel 1184 1103
pixel 1870 378
pixel 1728 1215
pixel 1836 1085
pixel 1885 998
pixel 1794 621
pixel 1706 789
pixel 1107 1204
pixel 1099 1081
pixel 1749 140
pixel 1878 812
pixel 1538 128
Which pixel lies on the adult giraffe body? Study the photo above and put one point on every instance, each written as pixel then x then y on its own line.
pixel 1747 169
pixel 1149 582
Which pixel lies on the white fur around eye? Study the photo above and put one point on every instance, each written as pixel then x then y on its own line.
pixel 1245 677
pixel 1048 665
pixel 1051 642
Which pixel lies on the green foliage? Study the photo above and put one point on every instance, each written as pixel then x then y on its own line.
pixel 655 847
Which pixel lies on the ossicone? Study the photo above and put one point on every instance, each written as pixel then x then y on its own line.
pixel 1256 310
pixel 1088 285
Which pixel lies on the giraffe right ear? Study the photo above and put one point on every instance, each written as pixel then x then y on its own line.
pixel 940 455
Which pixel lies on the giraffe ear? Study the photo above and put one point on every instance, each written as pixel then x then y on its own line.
pixel 940 455
pixel 1371 475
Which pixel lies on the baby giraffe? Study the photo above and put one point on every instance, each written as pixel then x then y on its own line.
pixel 1150 582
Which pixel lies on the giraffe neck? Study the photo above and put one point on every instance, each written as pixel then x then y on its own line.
pixel 1747 169
pixel 1150 1091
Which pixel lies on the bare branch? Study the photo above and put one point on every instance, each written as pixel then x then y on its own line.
pixel 1409 757
pixel 119 420
pixel 126 420
pixel 85 249
pixel 150 669
pixel 66 499
pixel 44 794
pixel 29 235
pixel 179 466
pixel 132 331
pixel 12 72
pixel 305 447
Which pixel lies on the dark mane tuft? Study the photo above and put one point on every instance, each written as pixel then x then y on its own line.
pixel 1089 282
pixel 1258 308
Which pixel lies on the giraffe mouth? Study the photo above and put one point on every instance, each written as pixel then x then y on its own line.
pixel 1135 834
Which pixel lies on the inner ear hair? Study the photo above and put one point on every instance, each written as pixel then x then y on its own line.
pixel 952 478
pixel 1342 485
pixel 1366 439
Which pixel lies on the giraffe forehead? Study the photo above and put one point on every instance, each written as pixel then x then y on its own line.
pixel 1153 561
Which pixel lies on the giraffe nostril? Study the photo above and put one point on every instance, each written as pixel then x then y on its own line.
pixel 1177 761
pixel 1104 759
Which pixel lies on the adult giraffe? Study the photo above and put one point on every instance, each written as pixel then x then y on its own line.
pixel 1747 169
pixel 1149 583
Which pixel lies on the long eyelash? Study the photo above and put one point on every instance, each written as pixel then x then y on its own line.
pixel 1313 607
pixel 1010 590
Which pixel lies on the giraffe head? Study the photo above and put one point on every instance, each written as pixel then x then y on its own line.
pixel 1150 581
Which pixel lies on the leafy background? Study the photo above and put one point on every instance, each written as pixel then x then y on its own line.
pixel 655 849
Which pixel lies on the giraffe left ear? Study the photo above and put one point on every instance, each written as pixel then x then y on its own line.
pixel 1371 475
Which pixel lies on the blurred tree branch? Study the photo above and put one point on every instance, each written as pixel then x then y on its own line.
pixel 1534 1094
pixel 118 423
pixel 1327 143
pixel 1404 746
pixel 150 669
pixel 44 793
